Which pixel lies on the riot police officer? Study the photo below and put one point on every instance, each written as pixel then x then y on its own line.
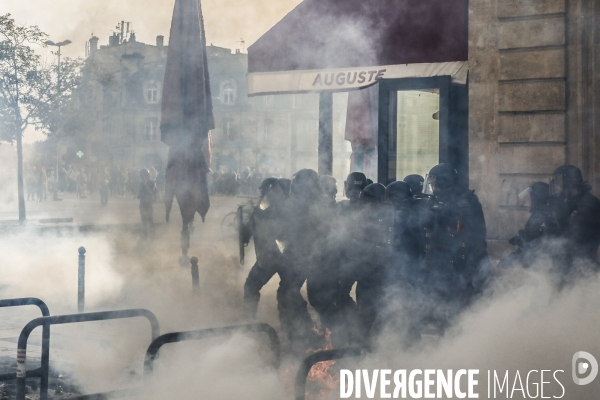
pixel 348 218
pixel 577 213
pixel 264 225
pixel 353 186
pixel 344 222
pixel 455 243
pixel 368 256
pixel 305 229
pixel 407 247
pixel 415 182
pixel 541 224
pixel 322 284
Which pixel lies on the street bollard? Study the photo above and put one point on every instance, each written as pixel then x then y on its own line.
pixel 195 275
pixel 81 281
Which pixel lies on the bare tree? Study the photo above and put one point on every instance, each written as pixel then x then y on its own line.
pixel 29 90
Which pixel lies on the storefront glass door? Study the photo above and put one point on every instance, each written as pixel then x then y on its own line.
pixel 417 131
pixel 422 122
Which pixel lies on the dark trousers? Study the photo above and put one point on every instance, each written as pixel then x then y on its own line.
pixel 296 324
pixel 323 288
pixel 360 317
pixel 369 294
pixel 258 277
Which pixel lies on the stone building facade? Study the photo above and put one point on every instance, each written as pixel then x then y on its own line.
pixel 121 94
pixel 532 100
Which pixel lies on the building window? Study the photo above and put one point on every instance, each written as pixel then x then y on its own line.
pixel 269 100
pixel 268 133
pixel 295 101
pixel 151 132
pixel 228 92
pixel 152 93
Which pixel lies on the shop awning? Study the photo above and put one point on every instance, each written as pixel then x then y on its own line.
pixel 346 44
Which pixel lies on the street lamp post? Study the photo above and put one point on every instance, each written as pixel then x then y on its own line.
pixel 59 45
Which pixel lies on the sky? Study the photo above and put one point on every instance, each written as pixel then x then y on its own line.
pixel 227 22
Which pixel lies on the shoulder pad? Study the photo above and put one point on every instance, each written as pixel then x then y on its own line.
pixel 467 198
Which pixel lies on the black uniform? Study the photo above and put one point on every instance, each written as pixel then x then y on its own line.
pixel 455 237
pixel 540 225
pixel 455 259
pixel 407 214
pixel 301 239
pixel 577 214
pixel 578 218
pixel 367 254
pixel 264 226
pixel 322 283
pixel 348 225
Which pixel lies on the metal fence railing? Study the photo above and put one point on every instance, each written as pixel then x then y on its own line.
pixel 33 301
pixel 315 358
pixel 152 351
pixel 69 319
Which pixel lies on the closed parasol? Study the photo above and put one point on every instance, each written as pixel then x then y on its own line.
pixel 187 116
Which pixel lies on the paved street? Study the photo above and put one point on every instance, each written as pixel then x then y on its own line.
pixel 124 271
pixel 120 210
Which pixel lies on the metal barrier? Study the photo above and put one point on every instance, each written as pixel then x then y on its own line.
pixel 68 319
pixel 32 301
pixel 208 333
pixel 315 358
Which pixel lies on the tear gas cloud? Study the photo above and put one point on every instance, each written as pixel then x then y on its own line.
pixel 521 322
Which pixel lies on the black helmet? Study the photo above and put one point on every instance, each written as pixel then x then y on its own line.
pixel 354 184
pixel 266 185
pixel 328 185
pixel 375 193
pixel 144 173
pixel 398 192
pixel 565 177
pixel 539 192
pixel 442 176
pixel 305 183
pixel 415 182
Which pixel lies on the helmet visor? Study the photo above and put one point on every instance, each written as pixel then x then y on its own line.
pixel 352 189
pixel 429 184
pixel 524 193
pixel 556 185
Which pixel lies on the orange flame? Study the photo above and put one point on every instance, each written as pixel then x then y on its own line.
pixel 322 379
